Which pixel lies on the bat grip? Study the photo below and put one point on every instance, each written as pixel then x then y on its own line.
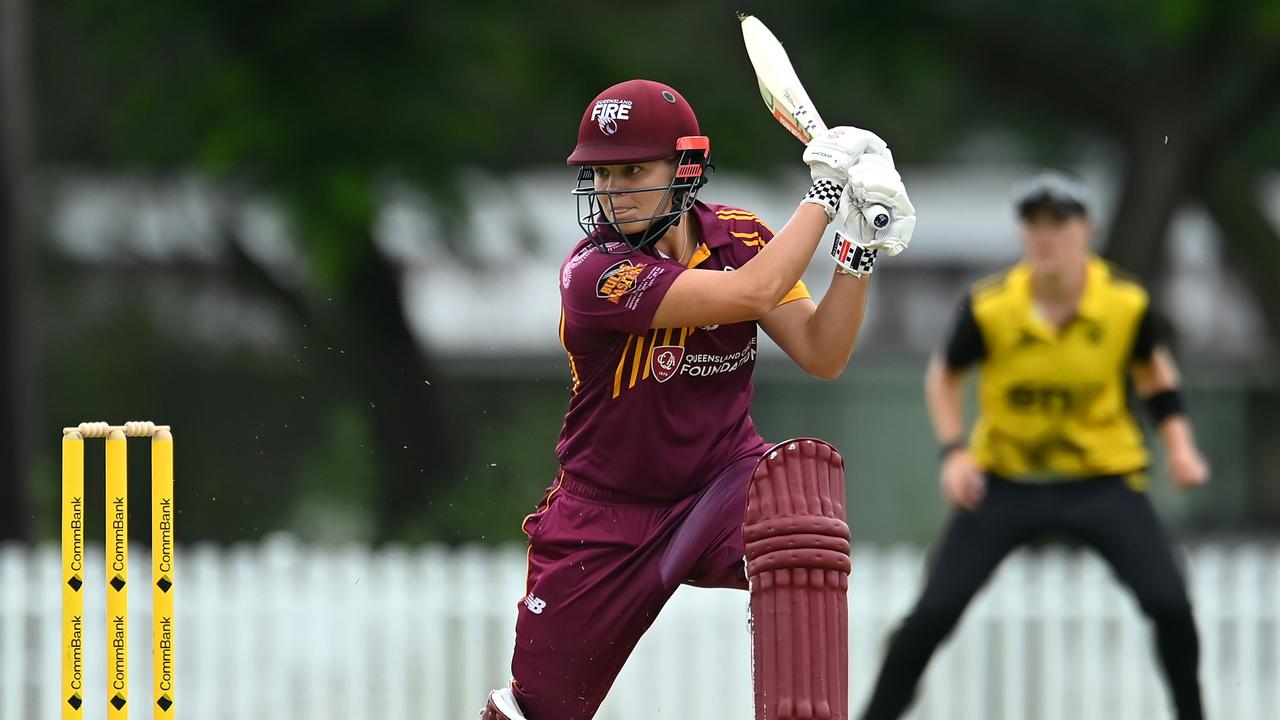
pixel 878 216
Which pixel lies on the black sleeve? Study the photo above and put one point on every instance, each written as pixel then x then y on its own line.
pixel 1149 334
pixel 965 345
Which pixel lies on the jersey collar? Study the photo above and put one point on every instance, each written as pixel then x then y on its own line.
pixel 1092 305
pixel 715 233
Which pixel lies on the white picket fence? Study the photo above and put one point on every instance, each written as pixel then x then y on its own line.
pixel 280 630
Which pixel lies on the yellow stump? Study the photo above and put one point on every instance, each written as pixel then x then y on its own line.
pixel 117 552
pixel 162 515
pixel 72 697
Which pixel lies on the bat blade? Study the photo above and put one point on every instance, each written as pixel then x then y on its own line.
pixel 780 87
pixel 786 98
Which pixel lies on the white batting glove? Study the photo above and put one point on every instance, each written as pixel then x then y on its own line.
pixel 873 180
pixel 831 154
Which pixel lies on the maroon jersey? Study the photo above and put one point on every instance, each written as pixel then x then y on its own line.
pixel 656 413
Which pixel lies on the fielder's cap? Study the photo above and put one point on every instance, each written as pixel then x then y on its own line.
pixel 1056 193
pixel 633 121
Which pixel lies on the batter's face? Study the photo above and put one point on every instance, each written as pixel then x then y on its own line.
pixel 1054 245
pixel 637 207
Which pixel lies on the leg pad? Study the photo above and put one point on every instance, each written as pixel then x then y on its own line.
pixel 798 567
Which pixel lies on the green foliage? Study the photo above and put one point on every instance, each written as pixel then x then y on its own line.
pixel 509 462
pixel 241 415
pixel 280 92
pixel 340 472
pixel 318 105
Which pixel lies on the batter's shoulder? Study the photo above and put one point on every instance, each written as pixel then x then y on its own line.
pixel 577 256
pixel 739 220
pixel 587 263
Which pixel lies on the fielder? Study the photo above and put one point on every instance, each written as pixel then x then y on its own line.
pixel 1055 448
pixel 660 305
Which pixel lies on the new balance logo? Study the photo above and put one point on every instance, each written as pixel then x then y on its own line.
pixel 535 604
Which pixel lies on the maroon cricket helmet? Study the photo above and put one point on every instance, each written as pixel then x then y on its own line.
pixel 633 121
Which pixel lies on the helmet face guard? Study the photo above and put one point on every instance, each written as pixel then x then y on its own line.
pixel 692 155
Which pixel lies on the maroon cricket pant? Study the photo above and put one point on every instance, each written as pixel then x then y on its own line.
pixel 600 570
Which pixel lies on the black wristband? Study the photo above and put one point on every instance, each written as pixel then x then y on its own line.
pixel 1164 405
pixel 949 447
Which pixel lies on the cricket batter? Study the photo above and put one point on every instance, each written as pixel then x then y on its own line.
pixel 1055 447
pixel 661 301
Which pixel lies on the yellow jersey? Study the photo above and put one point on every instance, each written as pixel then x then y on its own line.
pixel 1053 403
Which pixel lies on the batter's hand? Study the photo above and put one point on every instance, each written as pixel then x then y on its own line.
pixel 1187 468
pixel 831 154
pixel 962 482
pixel 873 180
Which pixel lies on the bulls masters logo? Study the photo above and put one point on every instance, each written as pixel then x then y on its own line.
pixel 618 280
pixel 666 361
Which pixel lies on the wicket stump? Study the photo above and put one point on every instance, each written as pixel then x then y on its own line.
pixel 117 567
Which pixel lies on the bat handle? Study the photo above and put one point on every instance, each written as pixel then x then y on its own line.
pixel 878 216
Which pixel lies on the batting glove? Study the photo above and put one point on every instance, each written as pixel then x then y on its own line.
pixel 831 154
pixel 873 180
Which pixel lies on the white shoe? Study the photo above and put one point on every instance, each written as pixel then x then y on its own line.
pixel 502 705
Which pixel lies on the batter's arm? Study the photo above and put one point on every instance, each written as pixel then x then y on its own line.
pixel 820 338
pixel 712 297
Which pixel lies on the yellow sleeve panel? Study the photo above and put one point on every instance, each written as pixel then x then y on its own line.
pixel 799 292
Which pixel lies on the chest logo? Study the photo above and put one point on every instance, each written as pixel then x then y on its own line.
pixel 665 361
pixel 618 280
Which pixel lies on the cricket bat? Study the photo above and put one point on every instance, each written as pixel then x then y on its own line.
pixel 786 97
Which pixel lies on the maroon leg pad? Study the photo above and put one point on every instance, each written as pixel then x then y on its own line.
pixel 798 566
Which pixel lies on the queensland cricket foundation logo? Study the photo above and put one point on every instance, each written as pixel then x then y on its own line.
pixel 666 361
pixel 608 112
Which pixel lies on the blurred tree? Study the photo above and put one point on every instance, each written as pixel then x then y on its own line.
pixel 14 109
pixel 319 107
pixel 1181 88
pixel 314 107
pixel 1231 191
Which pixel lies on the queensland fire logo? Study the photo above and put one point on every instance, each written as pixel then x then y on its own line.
pixel 666 361
pixel 607 113
pixel 618 280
